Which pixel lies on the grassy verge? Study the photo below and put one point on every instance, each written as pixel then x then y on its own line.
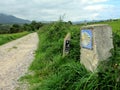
pixel 53 72
pixel 4 38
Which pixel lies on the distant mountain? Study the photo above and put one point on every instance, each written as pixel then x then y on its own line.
pixel 9 19
pixel 86 21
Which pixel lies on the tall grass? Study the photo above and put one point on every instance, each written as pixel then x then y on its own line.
pixel 4 38
pixel 51 71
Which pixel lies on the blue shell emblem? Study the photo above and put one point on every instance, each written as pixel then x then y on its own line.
pixel 86 39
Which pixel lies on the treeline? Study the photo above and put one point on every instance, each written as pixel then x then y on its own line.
pixel 15 28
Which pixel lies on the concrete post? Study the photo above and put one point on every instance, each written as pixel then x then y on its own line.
pixel 66 45
pixel 96 43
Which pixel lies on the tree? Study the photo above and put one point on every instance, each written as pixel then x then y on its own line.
pixel 35 25
pixel 69 22
pixel 15 28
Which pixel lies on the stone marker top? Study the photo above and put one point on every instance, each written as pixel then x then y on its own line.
pixel 94 25
pixel 67 37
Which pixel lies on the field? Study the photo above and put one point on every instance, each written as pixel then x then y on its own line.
pixel 4 38
pixel 10 32
pixel 51 71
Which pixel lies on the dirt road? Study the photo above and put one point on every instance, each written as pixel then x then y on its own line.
pixel 15 58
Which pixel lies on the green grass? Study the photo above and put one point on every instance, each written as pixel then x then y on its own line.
pixel 4 38
pixel 51 71
pixel 114 24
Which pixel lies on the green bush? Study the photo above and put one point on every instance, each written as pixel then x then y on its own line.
pixel 54 72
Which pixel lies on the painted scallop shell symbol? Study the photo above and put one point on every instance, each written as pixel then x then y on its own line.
pixel 85 39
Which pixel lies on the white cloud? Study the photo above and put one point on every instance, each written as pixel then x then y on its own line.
pixel 94 7
pixel 92 1
pixel 74 10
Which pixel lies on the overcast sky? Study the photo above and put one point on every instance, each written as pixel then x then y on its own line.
pixel 50 10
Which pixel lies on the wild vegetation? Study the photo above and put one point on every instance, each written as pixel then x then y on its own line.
pixel 9 32
pixel 4 38
pixel 51 71
pixel 15 28
pixel 4 28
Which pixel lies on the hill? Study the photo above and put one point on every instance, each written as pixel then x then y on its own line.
pixel 10 19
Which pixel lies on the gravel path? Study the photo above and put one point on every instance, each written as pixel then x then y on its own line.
pixel 15 58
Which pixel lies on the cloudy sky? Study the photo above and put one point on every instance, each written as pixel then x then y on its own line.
pixel 50 10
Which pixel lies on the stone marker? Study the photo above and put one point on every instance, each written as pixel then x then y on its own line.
pixel 66 45
pixel 96 43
